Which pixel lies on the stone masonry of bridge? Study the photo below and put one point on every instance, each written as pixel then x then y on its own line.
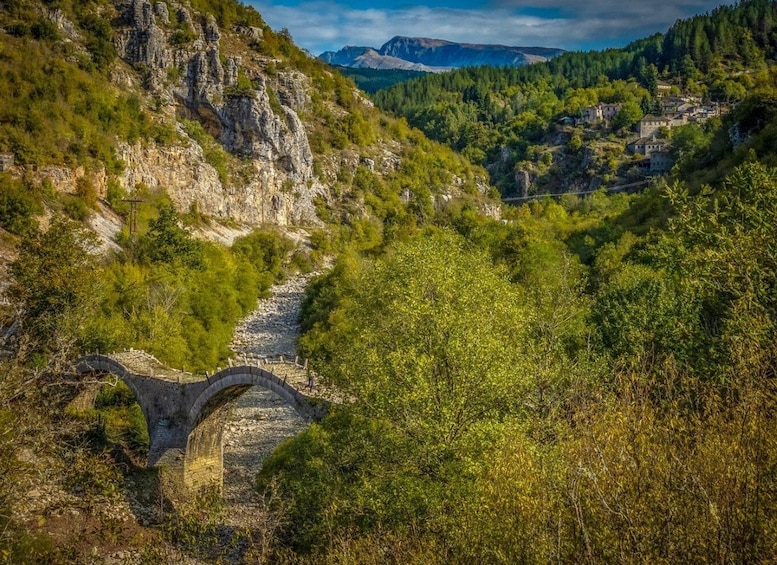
pixel 185 414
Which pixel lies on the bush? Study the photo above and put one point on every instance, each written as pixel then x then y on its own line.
pixel 18 206
pixel 75 207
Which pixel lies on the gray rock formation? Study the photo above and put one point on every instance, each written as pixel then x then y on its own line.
pixel 142 42
pixel 204 79
pixel 162 12
pixel 184 16
pixel 231 70
pixel 251 129
pixel 252 34
pixel 63 24
pixel 293 89
pixel 281 186
pixel 212 34
pixel 522 182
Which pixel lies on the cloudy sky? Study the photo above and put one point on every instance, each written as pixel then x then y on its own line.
pixel 321 25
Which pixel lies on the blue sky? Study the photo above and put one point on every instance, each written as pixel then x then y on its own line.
pixel 321 25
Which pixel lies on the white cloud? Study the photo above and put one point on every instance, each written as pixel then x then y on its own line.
pixel 321 25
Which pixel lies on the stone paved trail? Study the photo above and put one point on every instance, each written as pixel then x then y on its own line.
pixel 260 420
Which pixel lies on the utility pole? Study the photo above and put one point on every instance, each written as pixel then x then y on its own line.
pixel 133 215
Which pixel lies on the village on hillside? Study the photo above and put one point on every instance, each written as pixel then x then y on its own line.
pixel 653 140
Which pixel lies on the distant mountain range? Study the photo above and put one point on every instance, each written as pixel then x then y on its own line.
pixel 435 55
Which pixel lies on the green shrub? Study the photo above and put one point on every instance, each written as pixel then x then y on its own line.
pixel 75 207
pixel 18 206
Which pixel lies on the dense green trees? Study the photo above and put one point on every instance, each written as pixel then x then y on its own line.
pixel 423 346
pixel 167 242
pixel 179 298
pixel 53 289
pixel 372 80
pixel 629 114
pixel 175 296
pixel 18 205
pixel 419 353
pixel 495 115
pixel 611 403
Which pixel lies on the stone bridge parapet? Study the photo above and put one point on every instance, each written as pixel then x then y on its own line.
pixel 185 414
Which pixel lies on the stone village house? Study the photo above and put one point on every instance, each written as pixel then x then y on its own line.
pixel 598 113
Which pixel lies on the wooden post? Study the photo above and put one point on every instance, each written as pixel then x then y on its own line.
pixel 133 216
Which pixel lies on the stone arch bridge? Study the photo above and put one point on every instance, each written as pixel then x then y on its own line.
pixel 185 414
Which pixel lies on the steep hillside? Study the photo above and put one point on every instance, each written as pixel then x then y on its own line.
pixel 201 99
pixel 546 120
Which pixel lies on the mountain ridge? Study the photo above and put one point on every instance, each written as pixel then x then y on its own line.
pixel 436 55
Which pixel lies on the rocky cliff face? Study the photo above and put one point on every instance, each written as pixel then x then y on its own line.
pixel 183 66
pixel 227 114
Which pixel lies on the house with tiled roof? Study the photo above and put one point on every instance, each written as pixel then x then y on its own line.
pixel 598 113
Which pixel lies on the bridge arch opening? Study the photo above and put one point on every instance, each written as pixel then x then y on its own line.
pixel 115 409
pixel 204 455
pixel 259 421
pixel 123 419
pixel 204 458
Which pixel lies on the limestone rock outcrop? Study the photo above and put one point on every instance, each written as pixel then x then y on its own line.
pixel 293 89
pixel 142 42
pixel 167 41
pixel 252 129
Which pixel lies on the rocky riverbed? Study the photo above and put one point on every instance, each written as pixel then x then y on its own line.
pixel 272 328
pixel 260 420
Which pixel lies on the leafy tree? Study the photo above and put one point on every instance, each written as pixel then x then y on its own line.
pixel 18 206
pixel 730 238
pixel 264 250
pixel 425 346
pixel 167 242
pixel 629 114
pixel 53 288
pixel 428 348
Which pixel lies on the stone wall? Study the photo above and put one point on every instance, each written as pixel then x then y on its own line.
pixel 186 419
